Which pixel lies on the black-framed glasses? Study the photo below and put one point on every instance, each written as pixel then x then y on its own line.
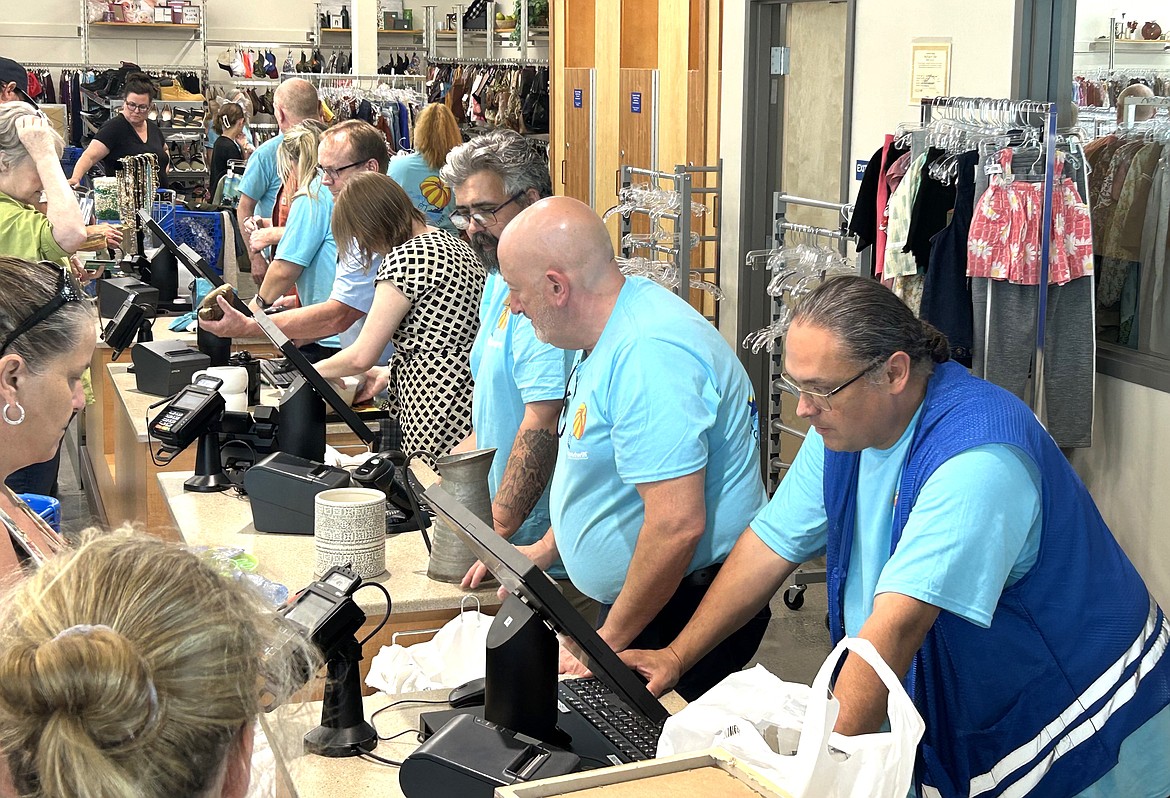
pixel 485 218
pixel 332 172
pixel 137 106
pixel 820 400
pixel 570 389
pixel 68 290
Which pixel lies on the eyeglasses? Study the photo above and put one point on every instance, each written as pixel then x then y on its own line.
pixel 332 173
pixel 818 399
pixel 68 290
pixel 485 218
pixel 570 389
pixel 137 107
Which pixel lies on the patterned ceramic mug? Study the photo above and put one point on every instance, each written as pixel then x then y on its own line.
pixel 349 526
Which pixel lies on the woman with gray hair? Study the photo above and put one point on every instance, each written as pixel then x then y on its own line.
pixel 47 337
pixel 30 162
pixel 30 153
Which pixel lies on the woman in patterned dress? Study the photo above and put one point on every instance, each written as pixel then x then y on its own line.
pixel 426 302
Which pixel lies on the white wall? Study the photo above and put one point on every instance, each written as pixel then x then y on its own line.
pixel 981 58
pixel 1126 472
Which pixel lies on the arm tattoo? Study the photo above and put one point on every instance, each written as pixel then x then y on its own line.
pixel 529 467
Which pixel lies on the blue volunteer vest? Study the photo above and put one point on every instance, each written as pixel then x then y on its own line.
pixel 1072 664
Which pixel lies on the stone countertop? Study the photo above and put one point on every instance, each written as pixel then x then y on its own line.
pixel 225 520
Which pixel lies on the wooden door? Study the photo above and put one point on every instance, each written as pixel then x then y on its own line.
pixel 637 128
pixel 578 157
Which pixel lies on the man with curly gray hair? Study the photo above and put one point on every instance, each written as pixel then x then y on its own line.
pixel 519 380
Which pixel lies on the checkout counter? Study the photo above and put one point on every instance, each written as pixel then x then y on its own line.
pixel 118 470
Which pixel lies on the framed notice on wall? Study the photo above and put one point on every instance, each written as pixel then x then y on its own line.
pixel 930 70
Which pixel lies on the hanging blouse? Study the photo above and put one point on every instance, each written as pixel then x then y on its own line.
pixel 1004 242
pixel 899 263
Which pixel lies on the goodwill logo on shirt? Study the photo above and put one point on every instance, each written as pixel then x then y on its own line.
pixel 579 421
pixel 505 312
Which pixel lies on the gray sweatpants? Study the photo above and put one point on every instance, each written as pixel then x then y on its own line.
pixel 1069 350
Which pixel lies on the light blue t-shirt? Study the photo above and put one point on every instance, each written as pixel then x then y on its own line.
pixel 354 286
pixel 261 180
pixel 308 242
pixel 511 367
pixel 661 396
pixel 938 560
pixel 975 530
pixel 426 189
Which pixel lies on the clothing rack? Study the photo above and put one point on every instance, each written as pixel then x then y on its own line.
pixel 682 180
pixel 456 61
pixel 1011 113
pixel 347 78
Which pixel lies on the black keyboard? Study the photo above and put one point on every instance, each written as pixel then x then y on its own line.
pixel 278 372
pixel 633 736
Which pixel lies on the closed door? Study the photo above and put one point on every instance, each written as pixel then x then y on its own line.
pixel 576 168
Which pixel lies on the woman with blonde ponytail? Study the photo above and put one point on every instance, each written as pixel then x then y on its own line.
pixel 132 668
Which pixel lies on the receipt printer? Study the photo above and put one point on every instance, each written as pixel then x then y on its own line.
pixel 470 757
pixel 164 368
pixel 282 488
pixel 113 293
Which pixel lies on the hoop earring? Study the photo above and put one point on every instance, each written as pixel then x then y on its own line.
pixel 7 420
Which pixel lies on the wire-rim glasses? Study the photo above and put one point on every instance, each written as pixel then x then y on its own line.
pixel 485 218
pixel 819 399
pixel 332 172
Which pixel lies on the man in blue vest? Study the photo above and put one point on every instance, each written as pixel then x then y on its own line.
pixel 961 544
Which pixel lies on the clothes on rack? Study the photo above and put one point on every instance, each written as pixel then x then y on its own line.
pixel 1005 323
pixel 492 95
pixel 960 206
pixel 1126 165
pixel 1100 88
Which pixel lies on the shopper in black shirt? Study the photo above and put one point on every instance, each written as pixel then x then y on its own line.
pixel 229 127
pixel 128 133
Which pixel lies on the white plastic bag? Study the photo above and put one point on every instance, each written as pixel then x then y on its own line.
pixel 453 656
pixel 747 707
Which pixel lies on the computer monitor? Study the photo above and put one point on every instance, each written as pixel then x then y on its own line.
pixel 523 579
pixel 200 267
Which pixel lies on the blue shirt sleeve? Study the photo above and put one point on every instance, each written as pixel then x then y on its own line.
pixel 794 523
pixel 259 173
pixel 352 285
pixel 974 529
pixel 666 403
pixel 539 369
pixel 305 230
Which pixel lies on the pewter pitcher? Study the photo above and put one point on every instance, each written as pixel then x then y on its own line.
pixel 465 477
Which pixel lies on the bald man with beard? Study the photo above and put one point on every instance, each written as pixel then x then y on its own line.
pixel 658 459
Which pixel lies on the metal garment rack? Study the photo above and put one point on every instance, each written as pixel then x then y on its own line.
pixel 682 181
pixel 793 595
pixel 1018 112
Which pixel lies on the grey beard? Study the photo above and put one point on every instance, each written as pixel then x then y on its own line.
pixel 486 256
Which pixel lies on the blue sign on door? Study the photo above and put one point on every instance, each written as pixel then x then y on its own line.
pixel 859 169
pixel 636 102
pixel 576 98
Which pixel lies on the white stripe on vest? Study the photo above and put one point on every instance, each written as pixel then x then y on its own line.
pixel 1107 683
